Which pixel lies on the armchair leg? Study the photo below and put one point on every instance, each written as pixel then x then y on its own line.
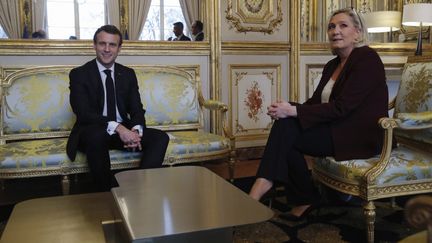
pixel 65 184
pixel 2 184
pixel 393 202
pixel 231 168
pixel 369 212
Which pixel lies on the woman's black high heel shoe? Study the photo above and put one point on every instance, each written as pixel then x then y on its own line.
pixel 295 218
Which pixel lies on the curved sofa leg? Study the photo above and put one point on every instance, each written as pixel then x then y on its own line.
pixel 369 212
pixel 65 184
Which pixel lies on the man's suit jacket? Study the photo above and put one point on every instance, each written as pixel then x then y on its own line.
pixel 199 37
pixel 358 99
pixel 182 38
pixel 87 100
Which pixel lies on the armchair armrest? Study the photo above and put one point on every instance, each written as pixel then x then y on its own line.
pixel 391 104
pixel 388 124
pixel 215 105
pixel 420 120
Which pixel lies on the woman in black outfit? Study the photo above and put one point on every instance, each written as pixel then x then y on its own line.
pixel 339 120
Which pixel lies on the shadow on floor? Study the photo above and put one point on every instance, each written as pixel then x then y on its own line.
pixel 335 221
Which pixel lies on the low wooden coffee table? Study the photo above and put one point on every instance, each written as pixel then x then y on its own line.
pixel 176 204
pixel 66 219
pixel 183 204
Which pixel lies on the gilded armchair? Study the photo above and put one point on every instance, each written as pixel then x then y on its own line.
pixel 404 170
pixel 418 213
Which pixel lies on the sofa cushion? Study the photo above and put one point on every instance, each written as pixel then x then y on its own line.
pixel 37 99
pixel 38 102
pixel 50 154
pixel 404 166
pixel 169 95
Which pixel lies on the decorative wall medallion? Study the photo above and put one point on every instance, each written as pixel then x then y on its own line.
pixel 254 6
pixel 254 15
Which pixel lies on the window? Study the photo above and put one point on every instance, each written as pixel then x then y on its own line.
pixel 2 33
pixel 88 15
pixel 160 19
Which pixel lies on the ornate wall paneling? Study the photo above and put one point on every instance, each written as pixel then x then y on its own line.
pixel 254 20
pixel 254 15
pixel 255 59
pixel 252 89
pixel 314 18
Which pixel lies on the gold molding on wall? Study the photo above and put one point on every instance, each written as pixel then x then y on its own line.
pixel 238 16
pixel 257 47
pixel 124 16
pixel 400 49
pixel 85 48
pixel 213 10
pixel 295 50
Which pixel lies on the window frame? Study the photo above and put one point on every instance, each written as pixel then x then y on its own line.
pixel 77 26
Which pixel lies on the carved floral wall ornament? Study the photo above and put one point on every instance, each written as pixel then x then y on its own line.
pixel 254 15
pixel 254 101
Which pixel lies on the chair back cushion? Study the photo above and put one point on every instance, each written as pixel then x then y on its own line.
pixel 415 94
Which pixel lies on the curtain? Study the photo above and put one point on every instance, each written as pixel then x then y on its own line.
pixel 190 9
pixel 138 10
pixel 39 15
pixel 9 18
pixel 113 12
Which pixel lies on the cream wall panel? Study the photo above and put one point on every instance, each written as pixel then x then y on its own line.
pixel 306 64
pixel 261 62
pixel 230 34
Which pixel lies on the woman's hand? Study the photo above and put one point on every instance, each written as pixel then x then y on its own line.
pixel 281 109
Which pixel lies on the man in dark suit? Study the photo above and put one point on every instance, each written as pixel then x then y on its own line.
pixel 178 32
pixel 109 114
pixel 197 31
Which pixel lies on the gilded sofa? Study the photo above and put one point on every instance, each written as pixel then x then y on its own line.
pixel 404 170
pixel 36 119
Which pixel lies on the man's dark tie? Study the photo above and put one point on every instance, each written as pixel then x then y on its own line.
pixel 110 96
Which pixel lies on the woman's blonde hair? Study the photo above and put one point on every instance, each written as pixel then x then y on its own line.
pixel 358 22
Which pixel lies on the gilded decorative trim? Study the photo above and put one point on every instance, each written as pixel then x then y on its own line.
pixel 417 187
pixel 255 47
pixel 215 62
pixel 124 16
pixel 85 48
pixel 399 49
pixel 336 184
pixel 238 16
pixel 295 50
pixel 26 16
